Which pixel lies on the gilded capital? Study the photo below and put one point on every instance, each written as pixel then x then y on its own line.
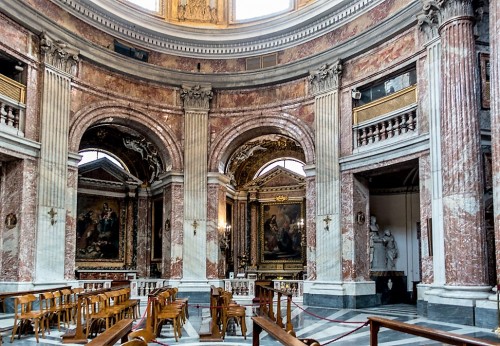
pixel 325 78
pixel 59 55
pixel 196 97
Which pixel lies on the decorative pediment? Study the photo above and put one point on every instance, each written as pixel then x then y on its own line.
pixel 278 177
pixel 103 171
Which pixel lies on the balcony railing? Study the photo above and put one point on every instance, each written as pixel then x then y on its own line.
pixel 240 287
pixel 293 287
pixel 12 106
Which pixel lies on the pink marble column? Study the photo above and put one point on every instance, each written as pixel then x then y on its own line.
pixel 143 225
pixel 427 273
pixel 461 151
pixel 495 117
pixel 216 218
pixel 176 231
pixel 69 253
pixel 311 227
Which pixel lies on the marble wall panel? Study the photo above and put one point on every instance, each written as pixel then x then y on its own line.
pixel 427 273
pixel 112 84
pixel 346 121
pixel 32 114
pixel 14 37
pixel 143 225
pixel 311 227
pixel 216 215
pixel 423 96
pixel 254 98
pixel 177 232
pixel 378 60
pixel 70 250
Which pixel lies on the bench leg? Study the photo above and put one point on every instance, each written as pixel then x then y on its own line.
pixel 256 334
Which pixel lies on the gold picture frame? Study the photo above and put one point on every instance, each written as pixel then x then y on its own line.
pixel 281 232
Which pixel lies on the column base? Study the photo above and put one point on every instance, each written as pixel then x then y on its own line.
pixel 350 295
pixel 456 304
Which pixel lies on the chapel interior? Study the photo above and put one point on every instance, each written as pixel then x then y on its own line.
pixel 348 150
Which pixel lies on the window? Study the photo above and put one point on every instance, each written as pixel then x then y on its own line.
pixel 387 86
pixel 290 164
pixel 92 155
pixel 244 10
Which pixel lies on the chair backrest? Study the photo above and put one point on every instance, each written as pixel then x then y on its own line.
pixel 47 301
pixel 24 304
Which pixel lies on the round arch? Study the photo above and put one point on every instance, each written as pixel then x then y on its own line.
pixel 242 131
pixel 125 114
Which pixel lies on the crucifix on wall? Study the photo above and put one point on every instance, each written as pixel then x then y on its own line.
pixel 327 222
pixel 195 225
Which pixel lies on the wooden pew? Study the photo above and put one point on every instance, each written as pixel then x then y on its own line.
pixel 428 333
pixel 261 323
pixel 214 333
pixel 110 336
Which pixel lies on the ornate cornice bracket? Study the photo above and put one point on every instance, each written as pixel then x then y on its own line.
pixel 325 78
pixel 196 97
pixel 59 55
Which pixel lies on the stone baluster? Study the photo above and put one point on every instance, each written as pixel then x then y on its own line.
pixel 363 136
pixel 383 131
pixel 376 133
pixel 390 129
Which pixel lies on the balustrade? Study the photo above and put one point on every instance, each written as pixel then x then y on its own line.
pixel 12 107
pixel 384 128
pixel 293 287
pixel 94 285
pixel 240 287
pixel 143 287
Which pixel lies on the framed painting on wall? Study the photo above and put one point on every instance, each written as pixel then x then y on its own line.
pixel 99 229
pixel 280 233
pixel 484 65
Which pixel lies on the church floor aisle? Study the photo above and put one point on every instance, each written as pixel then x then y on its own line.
pixel 322 324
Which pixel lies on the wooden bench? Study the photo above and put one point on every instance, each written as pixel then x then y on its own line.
pixel 428 333
pixel 261 323
pixel 6 295
pixel 110 336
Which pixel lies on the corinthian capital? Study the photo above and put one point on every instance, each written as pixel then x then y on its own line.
pixel 325 78
pixel 196 97
pixel 436 12
pixel 59 55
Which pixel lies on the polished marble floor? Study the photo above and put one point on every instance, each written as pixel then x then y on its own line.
pixel 322 324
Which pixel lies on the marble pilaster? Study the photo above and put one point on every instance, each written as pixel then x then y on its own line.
pixel 310 222
pixel 216 224
pixel 71 200
pixel 324 84
pixel 495 118
pixel 143 235
pixel 60 65
pixel 196 101
pixel 176 262
pixel 437 252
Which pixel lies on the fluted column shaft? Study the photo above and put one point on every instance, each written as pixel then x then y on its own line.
pixel 495 117
pixel 196 106
pixel 325 84
pixel 60 63
pixel 463 210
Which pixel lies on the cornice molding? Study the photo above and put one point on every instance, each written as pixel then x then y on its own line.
pixel 401 21
pixel 250 40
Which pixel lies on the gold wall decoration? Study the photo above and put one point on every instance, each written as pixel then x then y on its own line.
pixel 281 198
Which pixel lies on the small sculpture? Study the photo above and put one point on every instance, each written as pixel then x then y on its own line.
pixel 391 250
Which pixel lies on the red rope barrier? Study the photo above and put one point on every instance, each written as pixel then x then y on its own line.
pixel 324 318
pixel 346 334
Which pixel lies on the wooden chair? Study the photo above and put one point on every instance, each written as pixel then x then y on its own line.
pixel 165 313
pixel 97 316
pixel 67 304
pixel 24 315
pixel 49 305
pixel 230 310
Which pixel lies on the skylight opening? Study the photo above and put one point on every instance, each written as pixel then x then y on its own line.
pixel 255 9
pixel 290 164
pixel 92 155
pixel 150 5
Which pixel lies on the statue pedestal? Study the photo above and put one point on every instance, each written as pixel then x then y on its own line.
pixel 391 286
